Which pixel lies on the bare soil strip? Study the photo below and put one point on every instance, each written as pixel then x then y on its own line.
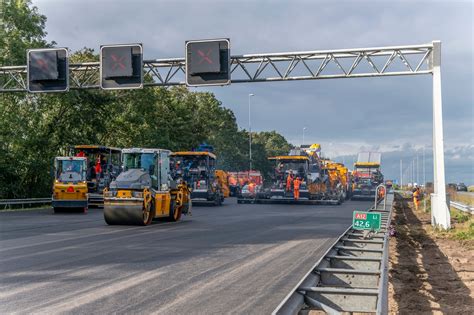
pixel 428 273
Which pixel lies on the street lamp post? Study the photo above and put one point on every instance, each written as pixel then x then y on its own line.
pixel 250 136
pixel 304 128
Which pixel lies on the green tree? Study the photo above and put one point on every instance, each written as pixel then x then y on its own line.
pixel 36 128
pixel 22 28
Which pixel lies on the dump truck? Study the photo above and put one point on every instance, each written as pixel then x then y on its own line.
pixel 144 190
pixel 103 166
pixel 70 184
pixel 198 169
pixel 366 175
pixel 320 180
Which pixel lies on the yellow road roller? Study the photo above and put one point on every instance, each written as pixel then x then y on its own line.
pixel 144 190
pixel 70 185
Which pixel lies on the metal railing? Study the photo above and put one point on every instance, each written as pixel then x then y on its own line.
pixel 9 203
pixel 462 207
pixel 351 277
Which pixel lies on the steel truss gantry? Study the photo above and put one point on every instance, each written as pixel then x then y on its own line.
pixel 306 65
pixel 290 66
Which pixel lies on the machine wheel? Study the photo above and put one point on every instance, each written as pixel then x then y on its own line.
pixel 175 214
pixel 148 213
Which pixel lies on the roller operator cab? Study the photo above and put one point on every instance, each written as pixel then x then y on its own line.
pixel 198 169
pixel 70 184
pixel 145 190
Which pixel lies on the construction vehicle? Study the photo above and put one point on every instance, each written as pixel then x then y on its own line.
pixel 366 175
pixel 339 174
pixel 222 178
pixel 70 184
pixel 320 179
pixel 99 165
pixel 198 169
pixel 233 183
pixel 103 166
pixel 144 191
pixel 252 186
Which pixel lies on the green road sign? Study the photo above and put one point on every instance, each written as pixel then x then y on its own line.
pixel 366 221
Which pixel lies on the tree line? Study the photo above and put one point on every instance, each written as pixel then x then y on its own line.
pixel 35 128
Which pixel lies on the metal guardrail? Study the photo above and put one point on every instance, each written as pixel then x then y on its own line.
pixel 351 277
pixel 462 207
pixel 8 203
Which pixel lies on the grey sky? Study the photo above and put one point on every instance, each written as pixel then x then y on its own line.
pixel 344 115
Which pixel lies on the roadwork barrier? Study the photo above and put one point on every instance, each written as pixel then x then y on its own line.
pixel 10 203
pixel 351 277
pixel 462 207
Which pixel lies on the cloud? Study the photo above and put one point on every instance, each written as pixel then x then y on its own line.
pixel 355 113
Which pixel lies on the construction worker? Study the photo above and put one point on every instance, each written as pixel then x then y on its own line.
pixel 98 167
pixel 289 181
pixel 296 188
pixel 416 198
pixel 381 193
pixel 251 186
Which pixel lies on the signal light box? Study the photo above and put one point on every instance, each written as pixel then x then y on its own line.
pixel 121 66
pixel 208 62
pixel 47 70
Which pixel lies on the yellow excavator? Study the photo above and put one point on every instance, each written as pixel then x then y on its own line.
pixel 144 190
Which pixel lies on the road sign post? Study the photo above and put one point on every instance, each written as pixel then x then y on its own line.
pixel 362 220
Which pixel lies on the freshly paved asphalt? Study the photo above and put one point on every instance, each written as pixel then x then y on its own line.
pixel 239 259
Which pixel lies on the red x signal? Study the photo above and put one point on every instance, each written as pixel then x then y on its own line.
pixel 205 57
pixel 42 64
pixel 117 62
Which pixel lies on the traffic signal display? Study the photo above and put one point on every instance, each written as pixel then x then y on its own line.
pixel 208 62
pixel 47 70
pixel 121 66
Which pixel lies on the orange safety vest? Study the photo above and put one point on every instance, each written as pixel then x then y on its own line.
pixel 252 187
pixel 416 194
pixel 288 183
pixel 296 184
pixel 98 167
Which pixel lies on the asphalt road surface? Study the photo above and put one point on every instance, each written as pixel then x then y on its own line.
pixel 240 259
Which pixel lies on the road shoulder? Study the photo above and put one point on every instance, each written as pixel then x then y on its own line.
pixel 429 272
